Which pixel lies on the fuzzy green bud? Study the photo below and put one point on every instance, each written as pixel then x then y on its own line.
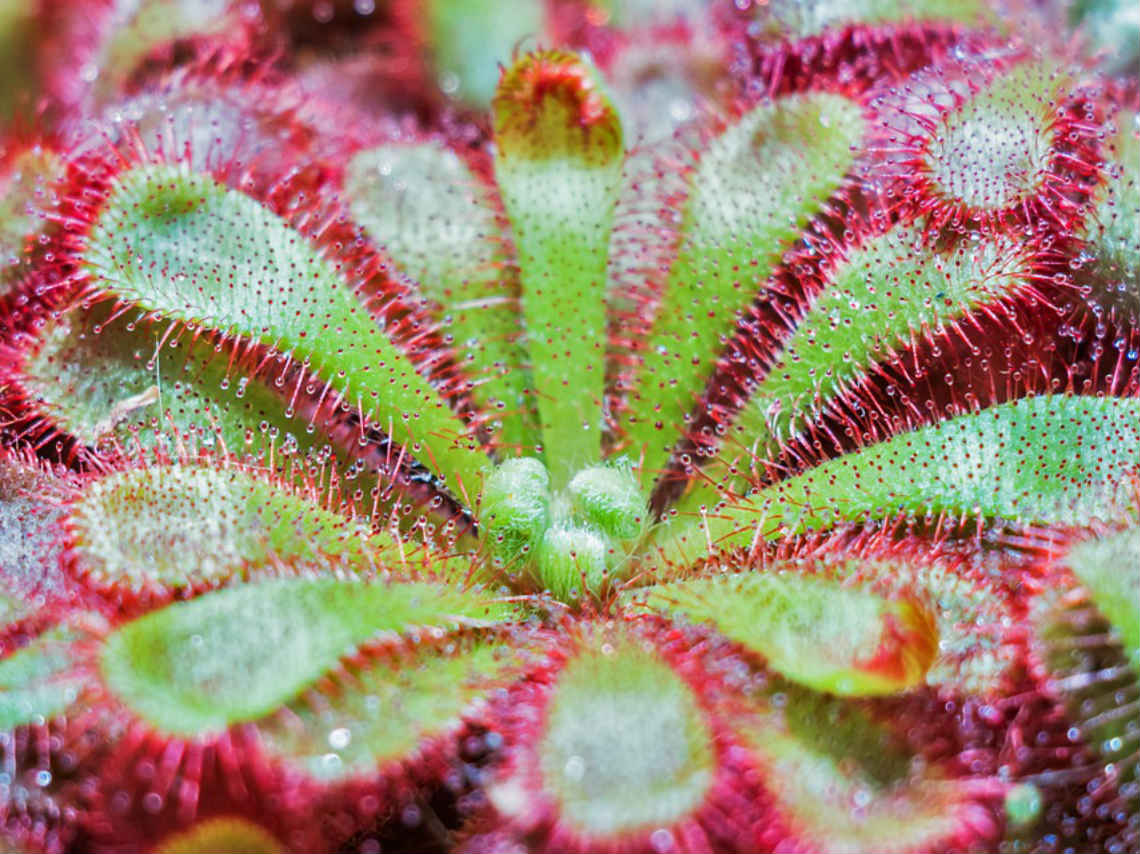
pixel 516 508
pixel 610 498
pixel 571 557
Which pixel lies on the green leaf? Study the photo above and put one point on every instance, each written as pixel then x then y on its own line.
pixel 383 711
pixel 1109 566
pixel 40 680
pixel 187 248
pixel 972 610
pixel 558 162
pixel 844 783
pixel 441 226
pixel 884 297
pixel 97 379
pixel 751 192
pixel 26 194
pixel 241 653
pixel 25 181
pixel 111 385
pixel 31 542
pixel 180 525
pixel 471 40
pixel 1050 459
pixel 815 631
pixel 1113 272
pixel 971 607
pixel 624 744
pixel 1077 654
pixel 994 150
pixel 136 27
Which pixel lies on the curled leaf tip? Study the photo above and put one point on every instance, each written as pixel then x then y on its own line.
pixel 553 102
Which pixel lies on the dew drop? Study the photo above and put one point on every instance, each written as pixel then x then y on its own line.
pixel 575 768
pixel 661 840
pixel 152 802
pixel 449 82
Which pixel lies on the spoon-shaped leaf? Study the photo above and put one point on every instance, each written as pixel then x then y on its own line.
pixel 441 226
pixel 173 526
pixel 186 248
pixel 749 194
pixel 815 631
pixel 1051 459
pixel 238 654
pixel 559 162
pixel 881 300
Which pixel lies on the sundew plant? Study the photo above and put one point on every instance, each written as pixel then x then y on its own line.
pixel 569 425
